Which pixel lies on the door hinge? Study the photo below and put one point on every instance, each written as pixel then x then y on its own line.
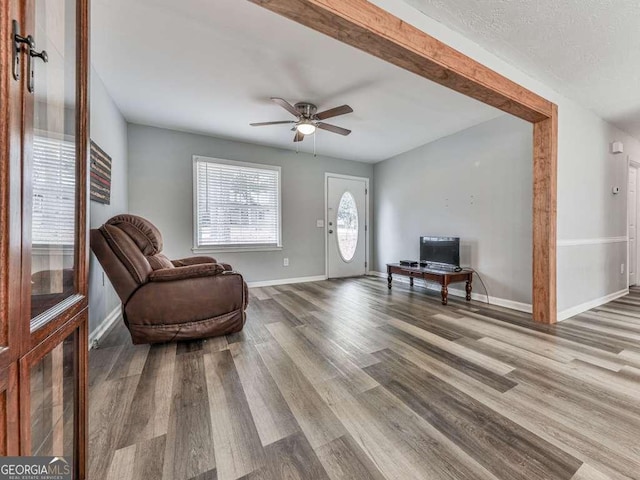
pixel 365 264
pixel 366 227
pixel 366 191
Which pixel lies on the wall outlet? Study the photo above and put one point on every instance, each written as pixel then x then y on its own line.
pixel 285 262
pixel 621 268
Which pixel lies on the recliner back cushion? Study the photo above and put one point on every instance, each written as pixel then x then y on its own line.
pixel 127 252
pixel 144 233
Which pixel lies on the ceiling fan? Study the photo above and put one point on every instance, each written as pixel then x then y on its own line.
pixel 307 119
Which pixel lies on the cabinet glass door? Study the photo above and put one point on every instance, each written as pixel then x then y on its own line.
pixel 52 392
pixel 53 154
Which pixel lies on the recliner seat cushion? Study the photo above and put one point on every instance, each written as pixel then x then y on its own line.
pixel 160 261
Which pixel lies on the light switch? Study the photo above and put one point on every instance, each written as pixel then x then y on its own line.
pixel 320 223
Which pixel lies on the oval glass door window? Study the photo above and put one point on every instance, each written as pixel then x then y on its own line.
pixel 347 226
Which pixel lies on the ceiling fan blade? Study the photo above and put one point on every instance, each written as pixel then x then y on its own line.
pixel 298 137
pixel 286 105
pixel 333 128
pixel 262 124
pixel 334 112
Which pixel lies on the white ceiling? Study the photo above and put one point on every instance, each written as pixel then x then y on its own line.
pixel 588 50
pixel 210 67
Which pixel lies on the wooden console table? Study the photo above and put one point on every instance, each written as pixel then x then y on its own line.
pixel 443 277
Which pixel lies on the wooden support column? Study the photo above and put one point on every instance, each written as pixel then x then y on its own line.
pixel 545 201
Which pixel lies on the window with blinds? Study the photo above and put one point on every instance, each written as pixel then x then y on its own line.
pixel 54 190
pixel 236 204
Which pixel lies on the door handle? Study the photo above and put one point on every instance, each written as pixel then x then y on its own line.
pixel 33 54
pixel 18 41
pixel 330 231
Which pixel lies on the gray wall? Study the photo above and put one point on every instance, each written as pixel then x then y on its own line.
pixel 160 188
pixel 591 220
pixel 109 131
pixel 475 184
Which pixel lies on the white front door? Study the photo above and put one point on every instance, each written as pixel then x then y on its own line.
pixel 346 226
pixel 632 210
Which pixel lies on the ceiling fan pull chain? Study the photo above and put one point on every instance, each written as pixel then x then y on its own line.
pixel 314 143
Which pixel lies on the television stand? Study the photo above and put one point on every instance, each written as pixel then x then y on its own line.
pixel 443 277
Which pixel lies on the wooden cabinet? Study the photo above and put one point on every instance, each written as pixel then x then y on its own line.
pixel 43 229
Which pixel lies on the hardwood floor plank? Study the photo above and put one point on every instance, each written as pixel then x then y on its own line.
pixel 487 362
pixel 553 347
pixel 109 402
pixel 209 475
pixel 294 304
pixel 149 458
pixel 130 361
pixel 291 458
pixel 271 414
pixel 257 293
pixel 303 353
pixel 472 369
pixel 270 311
pixel 216 344
pixel 316 420
pixel 236 442
pixel 343 458
pixel 435 454
pixel 189 445
pixel 148 416
pixel 586 472
pixel 102 361
pixel 500 445
pixel 122 464
pixel 377 437
pixel 189 346
pixel 581 446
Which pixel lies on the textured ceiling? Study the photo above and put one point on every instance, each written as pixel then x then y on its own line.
pixel 588 50
pixel 210 67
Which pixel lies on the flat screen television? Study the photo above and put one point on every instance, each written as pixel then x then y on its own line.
pixel 440 251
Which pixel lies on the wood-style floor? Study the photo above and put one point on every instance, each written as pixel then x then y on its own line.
pixel 345 380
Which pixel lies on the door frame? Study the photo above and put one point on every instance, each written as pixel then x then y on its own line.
pixel 367 230
pixel 631 163
pixel 365 26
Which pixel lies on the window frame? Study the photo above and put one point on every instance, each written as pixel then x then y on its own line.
pixel 197 248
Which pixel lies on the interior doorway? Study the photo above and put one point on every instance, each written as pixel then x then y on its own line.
pixel 370 28
pixel 347 221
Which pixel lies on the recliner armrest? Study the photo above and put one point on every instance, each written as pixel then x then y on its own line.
pixel 190 271
pixel 185 262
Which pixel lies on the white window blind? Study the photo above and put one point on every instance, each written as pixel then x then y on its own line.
pixel 54 188
pixel 236 204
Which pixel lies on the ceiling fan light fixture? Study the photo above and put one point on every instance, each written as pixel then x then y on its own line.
pixel 306 128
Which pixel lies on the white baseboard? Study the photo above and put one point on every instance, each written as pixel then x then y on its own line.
pixel 583 307
pixel 285 281
pixel 500 302
pixel 105 326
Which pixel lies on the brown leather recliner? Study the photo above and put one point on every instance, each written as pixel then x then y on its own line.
pixel 165 300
